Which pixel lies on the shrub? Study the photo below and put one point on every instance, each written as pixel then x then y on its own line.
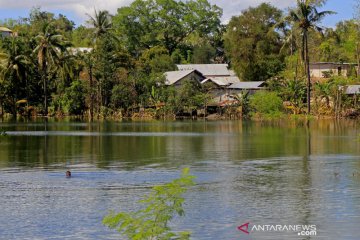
pixel 73 101
pixel 266 103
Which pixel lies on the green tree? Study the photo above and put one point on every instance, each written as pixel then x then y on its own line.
pixel 101 23
pixel 159 208
pixel 49 44
pixel 73 101
pixel 253 44
pixel 14 68
pixel 306 17
pixel 166 23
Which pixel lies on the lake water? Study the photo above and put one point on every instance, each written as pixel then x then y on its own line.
pixel 265 173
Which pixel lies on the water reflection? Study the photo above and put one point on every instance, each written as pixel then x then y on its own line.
pixel 266 173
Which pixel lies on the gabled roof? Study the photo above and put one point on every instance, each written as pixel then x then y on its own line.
pixel 207 69
pixel 174 76
pixel 209 80
pixel 247 85
pixel 4 29
pixel 352 89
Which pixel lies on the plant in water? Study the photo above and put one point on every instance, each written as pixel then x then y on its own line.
pixel 159 208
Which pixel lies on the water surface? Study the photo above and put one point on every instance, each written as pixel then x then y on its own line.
pixel 257 172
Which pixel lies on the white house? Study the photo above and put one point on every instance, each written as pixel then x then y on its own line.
pixel 323 69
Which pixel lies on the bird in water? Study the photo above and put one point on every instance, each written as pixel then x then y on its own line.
pixel 68 174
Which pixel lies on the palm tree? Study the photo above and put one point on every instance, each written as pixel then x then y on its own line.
pixel 14 66
pixel 101 23
pixel 306 17
pixel 49 46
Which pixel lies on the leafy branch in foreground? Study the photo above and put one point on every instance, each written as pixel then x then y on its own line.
pixel 3 132
pixel 159 208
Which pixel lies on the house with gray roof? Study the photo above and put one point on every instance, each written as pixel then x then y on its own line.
pixel 352 89
pixel 5 32
pixel 221 82
pixel 319 70
pixel 177 78
pixel 208 70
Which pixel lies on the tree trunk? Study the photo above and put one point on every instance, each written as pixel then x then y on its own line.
pixel 307 71
pixel 358 60
pixel 91 95
pixel 45 89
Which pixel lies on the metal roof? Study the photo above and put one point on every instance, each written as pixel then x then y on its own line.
pixel 4 29
pixel 174 76
pixel 352 89
pixel 247 85
pixel 225 81
pixel 332 63
pixel 207 69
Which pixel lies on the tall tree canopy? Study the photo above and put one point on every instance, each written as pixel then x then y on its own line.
pixel 253 44
pixel 149 23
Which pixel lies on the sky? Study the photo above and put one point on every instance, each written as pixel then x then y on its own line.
pixel 76 10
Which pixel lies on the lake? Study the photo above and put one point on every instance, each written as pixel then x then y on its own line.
pixel 262 173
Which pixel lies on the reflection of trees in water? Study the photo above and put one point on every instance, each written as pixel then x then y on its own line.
pixel 233 141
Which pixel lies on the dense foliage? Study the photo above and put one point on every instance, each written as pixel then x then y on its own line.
pixel 114 65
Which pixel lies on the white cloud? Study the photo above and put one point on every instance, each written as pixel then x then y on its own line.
pixel 81 7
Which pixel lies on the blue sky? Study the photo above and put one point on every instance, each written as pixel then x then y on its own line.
pixel 76 9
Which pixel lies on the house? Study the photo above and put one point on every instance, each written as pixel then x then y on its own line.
pixel 326 69
pixel 5 32
pixel 221 82
pixel 177 78
pixel 79 50
pixel 352 90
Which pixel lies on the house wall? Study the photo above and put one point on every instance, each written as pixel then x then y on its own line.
pixel 5 34
pixel 221 95
pixel 192 77
pixel 316 70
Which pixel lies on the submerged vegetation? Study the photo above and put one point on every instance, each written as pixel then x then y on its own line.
pixel 114 65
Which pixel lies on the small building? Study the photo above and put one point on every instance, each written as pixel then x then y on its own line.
pixel 177 78
pixel 5 32
pixel 327 69
pixel 220 82
pixel 79 50
pixel 352 90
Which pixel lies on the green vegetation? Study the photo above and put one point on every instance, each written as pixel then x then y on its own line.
pixel 159 208
pixel 266 104
pixel 3 132
pixel 114 66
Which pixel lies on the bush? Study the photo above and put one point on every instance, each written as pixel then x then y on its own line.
pixel 266 103
pixel 73 101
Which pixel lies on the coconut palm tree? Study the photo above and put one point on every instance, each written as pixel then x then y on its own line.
pixel 14 66
pixel 49 46
pixel 306 17
pixel 101 23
